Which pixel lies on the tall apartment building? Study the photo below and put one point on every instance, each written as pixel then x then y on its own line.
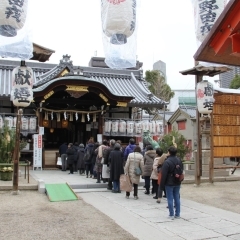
pixel 227 77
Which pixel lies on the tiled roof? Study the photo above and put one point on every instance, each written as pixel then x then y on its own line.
pixel 119 82
pixel 190 110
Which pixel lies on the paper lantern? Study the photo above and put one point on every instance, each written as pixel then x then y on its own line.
pixel 9 121
pixel 205 15
pixel 130 127
pixel 12 16
pixel 64 123
pixel 22 81
pixel 45 123
pixel 122 126
pixel 24 123
pixel 159 127
pixel 204 91
pixel 1 122
pixel 107 126
pixel 115 125
pixel 118 19
pixel 138 127
pixel 32 123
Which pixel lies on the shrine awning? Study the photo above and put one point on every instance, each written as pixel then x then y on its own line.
pixel 222 44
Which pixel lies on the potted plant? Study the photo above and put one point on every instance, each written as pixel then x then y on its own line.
pixel 7 145
pixel 6 173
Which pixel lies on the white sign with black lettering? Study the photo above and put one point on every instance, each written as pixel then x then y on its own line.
pixel 37 151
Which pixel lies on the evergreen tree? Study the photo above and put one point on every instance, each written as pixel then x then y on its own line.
pixel 235 83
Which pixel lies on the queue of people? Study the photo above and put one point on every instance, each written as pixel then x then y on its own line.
pixel 108 161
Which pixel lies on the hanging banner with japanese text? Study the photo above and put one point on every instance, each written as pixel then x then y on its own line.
pixel 206 12
pixel 205 100
pixel 37 150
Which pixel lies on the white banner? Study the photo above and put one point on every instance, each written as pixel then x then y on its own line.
pixel 206 12
pixel 37 151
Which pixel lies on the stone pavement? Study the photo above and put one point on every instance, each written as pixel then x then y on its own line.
pixel 144 218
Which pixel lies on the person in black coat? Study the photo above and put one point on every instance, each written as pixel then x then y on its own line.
pixel 62 152
pixel 88 160
pixel 80 163
pixel 75 157
pixel 116 169
pixel 107 161
pixel 70 157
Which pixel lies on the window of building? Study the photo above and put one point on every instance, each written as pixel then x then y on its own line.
pixel 181 125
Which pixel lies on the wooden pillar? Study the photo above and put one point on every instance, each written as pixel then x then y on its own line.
pixel 211 162
pixel 198 163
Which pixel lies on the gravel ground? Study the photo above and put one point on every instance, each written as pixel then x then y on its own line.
pixel 224 195
pixel 31 215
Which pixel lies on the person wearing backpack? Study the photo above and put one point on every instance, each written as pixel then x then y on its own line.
pixel 172 185
pixel 88 155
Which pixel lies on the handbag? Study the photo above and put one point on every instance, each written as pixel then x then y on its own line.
pixel 59 161
pixel 105 171
pixel 125 183
pixel 137 170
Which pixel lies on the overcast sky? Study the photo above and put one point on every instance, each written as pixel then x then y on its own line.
pixel 165 32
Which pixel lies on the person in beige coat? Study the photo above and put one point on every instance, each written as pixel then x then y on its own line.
pixel 135 159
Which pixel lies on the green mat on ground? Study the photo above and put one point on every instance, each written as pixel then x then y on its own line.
pixel 60 192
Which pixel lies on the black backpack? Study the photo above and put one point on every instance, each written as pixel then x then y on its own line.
pixel 88 154
pixel 178 171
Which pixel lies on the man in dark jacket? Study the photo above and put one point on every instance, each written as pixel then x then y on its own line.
pixel 168 180
pixel 129 149
pixel 116 158
pixel 62 152
pixel 70 156
pixel 76 147
pixel 107 161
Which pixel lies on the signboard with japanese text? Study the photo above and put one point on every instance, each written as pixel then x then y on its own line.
pixel 37 151
pixel 205 99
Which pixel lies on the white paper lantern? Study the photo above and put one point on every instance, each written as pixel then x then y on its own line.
pixel 122 126
pixel 138 127
pixel 24 124
pixel 12 16
pixel 152 127
pixel 115 126
pixel 205 100
pixel 1 122
pixel 107 126
pixel 118 19
pixel 159 127
pixel 145 126
pixel 130 127
pixel 205 15
pixel 32 123
pixel 9 121
pixel 22 82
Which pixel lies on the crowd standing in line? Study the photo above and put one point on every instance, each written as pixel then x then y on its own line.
pixel 154 165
